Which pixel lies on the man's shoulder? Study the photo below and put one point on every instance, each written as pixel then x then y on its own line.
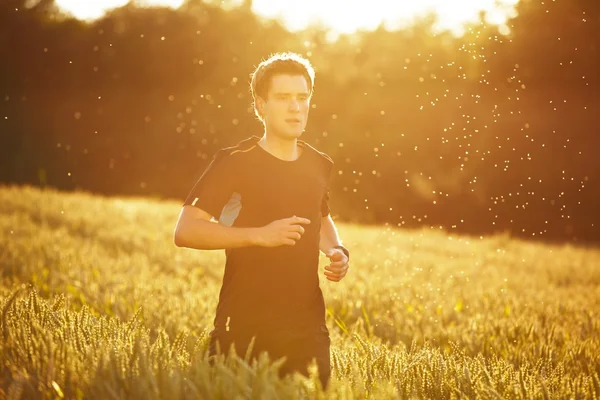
pixel 240 147
pixel 320 155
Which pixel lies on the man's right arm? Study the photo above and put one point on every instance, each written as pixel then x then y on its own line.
pixel 195 230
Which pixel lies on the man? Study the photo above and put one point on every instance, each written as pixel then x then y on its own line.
pixel 270 197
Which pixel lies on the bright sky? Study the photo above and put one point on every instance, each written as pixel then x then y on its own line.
pixel 342 16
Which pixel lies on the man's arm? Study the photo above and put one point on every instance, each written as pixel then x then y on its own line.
pixel 329 235
pixel 338 268
pixel 195 230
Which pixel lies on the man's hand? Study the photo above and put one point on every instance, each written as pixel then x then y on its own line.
pixel 280 232
pixel 338 267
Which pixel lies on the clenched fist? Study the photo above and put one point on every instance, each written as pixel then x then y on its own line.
pixel 281 232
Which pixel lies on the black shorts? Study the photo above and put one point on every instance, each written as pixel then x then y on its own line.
pixel 299 347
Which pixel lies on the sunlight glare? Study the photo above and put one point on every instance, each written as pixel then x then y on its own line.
pixel 342 16
pixel 90 10
pixel 348 16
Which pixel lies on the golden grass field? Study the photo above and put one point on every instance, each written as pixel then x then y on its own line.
pixel 97 302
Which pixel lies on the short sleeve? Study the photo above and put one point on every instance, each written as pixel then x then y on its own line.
pixel 214 187
pixel 328 168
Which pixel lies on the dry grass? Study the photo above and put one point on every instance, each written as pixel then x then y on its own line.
pixel 97 302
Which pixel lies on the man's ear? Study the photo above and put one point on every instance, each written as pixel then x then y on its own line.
pixel 260 106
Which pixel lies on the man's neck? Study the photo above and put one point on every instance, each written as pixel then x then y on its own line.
pixel 287 150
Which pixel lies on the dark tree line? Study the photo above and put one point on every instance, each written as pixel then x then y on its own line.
pixel 475 134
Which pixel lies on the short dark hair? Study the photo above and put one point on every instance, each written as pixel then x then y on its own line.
pixel 279 63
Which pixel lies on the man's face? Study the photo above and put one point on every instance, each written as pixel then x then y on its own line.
pixel 285 110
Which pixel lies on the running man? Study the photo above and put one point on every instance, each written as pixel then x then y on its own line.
pixel 265 201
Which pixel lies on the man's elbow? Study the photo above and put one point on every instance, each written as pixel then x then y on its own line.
pixel 179 237
pixel 189 238
pixel 177 240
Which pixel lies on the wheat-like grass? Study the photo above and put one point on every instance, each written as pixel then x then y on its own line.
pixel 97 302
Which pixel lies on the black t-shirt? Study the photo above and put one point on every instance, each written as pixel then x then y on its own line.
pixel 267 289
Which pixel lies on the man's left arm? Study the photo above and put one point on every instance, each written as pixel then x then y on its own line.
pixel 329 239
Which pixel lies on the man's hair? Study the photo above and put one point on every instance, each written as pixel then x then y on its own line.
pixel 279 63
